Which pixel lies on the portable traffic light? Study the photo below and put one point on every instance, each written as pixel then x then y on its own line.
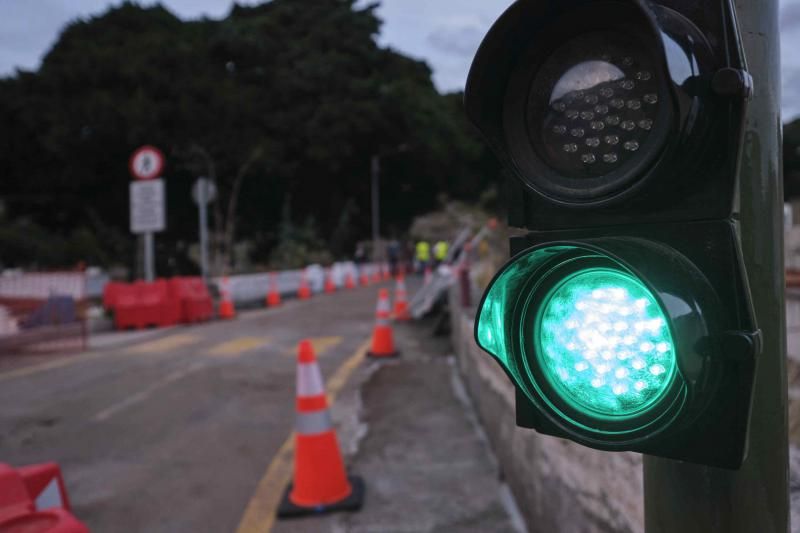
pixel 624 318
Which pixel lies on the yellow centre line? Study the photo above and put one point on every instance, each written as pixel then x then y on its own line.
pixel 321 346
pixel 238 346
pixel 35 369
pixel 259 515
pixel 164 345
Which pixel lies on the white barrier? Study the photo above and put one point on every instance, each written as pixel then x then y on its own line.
pixel 252 287
pixel 14 284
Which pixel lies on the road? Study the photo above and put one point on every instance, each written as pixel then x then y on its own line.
pixel 175 432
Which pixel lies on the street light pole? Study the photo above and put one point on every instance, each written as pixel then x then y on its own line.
pixel 202 208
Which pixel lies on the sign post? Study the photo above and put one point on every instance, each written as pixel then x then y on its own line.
pixel 204 191
pixel 147 199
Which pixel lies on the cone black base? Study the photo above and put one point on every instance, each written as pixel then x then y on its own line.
pixel 373 355
pixel 352 503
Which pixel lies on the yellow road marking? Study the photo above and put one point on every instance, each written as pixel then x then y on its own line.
pixel 158 345
pixel 321 345
pixel 35 369
pixel 259 515
pixel 238 346
pixel 165 344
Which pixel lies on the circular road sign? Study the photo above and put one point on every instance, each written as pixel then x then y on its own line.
pixel 146 163
pixel 206 196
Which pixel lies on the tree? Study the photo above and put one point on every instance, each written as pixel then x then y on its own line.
pixel 283 99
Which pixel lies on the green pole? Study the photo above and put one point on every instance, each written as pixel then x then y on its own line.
pixel 685 498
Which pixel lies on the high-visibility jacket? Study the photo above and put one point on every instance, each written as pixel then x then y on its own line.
pixel 423 251
pixel 440 250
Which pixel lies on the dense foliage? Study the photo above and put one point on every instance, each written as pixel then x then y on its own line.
pixel 286 101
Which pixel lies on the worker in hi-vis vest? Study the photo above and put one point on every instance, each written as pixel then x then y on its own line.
pixel 440 251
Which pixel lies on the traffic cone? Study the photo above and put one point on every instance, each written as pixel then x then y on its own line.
pixel 273 295
pixel 304 291
pixel 401 300
pixel 330 286
pixel 382 337
pixel 364 278
pixel 320 483
pixel 376 273
pixel 226 307
pixel 428 276
pixel 349 282
pixel 387 272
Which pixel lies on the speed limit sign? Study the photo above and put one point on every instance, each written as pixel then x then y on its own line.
pixel 146 163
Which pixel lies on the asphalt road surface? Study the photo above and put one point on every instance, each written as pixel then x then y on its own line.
pixel 189 429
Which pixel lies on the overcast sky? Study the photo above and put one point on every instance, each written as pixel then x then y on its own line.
pixel 445 33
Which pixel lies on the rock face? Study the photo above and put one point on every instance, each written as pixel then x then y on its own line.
pixel 558 485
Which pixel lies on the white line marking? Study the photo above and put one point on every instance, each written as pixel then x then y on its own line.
pixel 142 395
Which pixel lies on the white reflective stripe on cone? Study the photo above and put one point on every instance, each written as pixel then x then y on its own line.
pixel 382 321
pixel 309 380
pixel 50 497
pixel 313 423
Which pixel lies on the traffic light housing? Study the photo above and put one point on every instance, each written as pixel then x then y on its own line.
pixel 624 317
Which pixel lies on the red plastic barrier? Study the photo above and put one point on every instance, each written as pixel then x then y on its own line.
pixel 33 500
pixel 126 307
pixel 161 303
pixel 111 293
pixel 141 304
pixel 194 300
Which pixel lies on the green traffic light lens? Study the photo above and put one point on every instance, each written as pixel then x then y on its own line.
pixel 604 344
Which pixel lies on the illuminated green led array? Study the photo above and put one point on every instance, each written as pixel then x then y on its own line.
pixel 604 343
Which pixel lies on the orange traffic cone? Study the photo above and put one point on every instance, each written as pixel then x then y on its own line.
pixel 320 484
pixel 304 291
pixel 387 272
pixel 401 299
pixel 382 337
pixel 376 273
pixel 273 295
pixel 364 278
pixel 428 275
pixel 330 286
pixel 349 281
pixel 226 307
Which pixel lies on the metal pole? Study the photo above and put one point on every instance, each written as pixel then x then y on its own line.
pixel 149 257
pixel 695 499
pixel 202 207
pixel 375 168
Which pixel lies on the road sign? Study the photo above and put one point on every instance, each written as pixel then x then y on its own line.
pixel 146 163
pixel 147 206
pixel 204 191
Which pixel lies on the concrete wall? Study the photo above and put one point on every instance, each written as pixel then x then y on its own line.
pixel 558 485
